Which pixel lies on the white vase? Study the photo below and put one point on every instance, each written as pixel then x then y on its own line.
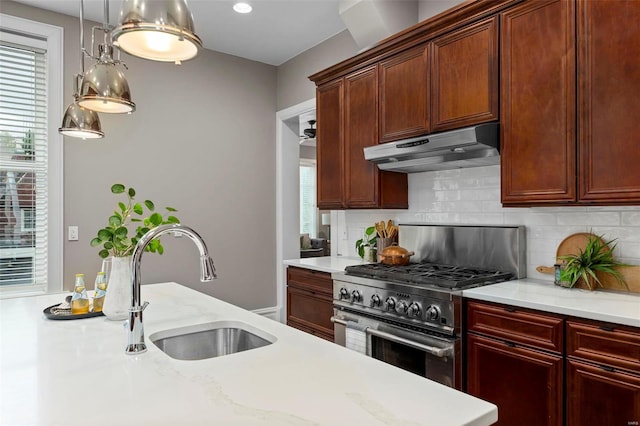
pixel 369 254
pixel 118 298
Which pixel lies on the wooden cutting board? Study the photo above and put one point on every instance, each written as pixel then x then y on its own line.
pixel 574 243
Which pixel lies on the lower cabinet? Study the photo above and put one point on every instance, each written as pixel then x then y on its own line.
pixel 310 301
pixel 518 360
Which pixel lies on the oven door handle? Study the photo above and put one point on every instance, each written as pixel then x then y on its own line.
pixel 437 352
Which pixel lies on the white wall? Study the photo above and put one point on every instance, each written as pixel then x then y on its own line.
pixel 472 196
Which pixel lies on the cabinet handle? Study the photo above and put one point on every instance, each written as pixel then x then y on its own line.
pixel 509 309
pixel 606 328
pixel 607 368
pixel 510 344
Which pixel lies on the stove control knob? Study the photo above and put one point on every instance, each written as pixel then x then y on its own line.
pixel 433 313
pixel 344 294
pixel 356 296
pixel 376 301
pixel 401 307
pixel 414 310
pixel 390 303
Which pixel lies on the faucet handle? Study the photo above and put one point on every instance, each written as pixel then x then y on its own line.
pixel 139 308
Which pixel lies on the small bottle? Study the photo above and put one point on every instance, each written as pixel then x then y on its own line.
pixel 79 300
pixel 100 291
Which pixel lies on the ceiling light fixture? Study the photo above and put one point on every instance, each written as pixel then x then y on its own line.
pixel 159 30
pixel 242 7
pixel 79 122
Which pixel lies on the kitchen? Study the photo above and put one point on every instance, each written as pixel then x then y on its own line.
pixel 465 196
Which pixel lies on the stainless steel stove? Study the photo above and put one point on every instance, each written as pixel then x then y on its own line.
pixel 411 316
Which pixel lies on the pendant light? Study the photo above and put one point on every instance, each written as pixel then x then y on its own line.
pixel 78 122
pixel 104 87
pixel 159 30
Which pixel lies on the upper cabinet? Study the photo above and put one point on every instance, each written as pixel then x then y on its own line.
pixel 404 95
pixel 560 146
pixel 608 101
pixel 347 114
pixel 464 76
pixel 538 103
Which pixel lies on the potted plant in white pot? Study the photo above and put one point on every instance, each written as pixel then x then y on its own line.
pixel 118 241
pixel 365 246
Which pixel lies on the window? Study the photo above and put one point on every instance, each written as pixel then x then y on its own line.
pixel 308 210
pixel 30 157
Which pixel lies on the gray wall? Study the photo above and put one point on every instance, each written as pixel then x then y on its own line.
pixel 203 141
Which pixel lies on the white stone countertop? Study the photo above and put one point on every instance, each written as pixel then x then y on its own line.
pixel 615 307
pixel 328 264
pixel 76 373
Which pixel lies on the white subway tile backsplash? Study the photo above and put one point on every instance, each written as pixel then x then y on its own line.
pixel 472 196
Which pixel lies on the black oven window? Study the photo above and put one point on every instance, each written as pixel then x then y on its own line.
pixel 401 356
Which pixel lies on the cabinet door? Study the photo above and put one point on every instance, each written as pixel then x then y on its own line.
pixel 608 101
pixel 596 396
pixel 525 384
pixel 537 104
pixel 465 76
pixel 310 309
pixel 330 146
pixel 361 130
pixel 404 95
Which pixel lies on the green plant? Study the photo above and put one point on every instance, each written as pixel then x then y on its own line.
pixel 115 239
pixel 597 257
pixel 369 239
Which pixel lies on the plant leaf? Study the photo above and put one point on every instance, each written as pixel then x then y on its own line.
pixel 132 192
pixel 121 232
pixel 133 219
pixel 149 205
pixel 173 219
pixel 137 208
pixel 95 242
pixel 115 221
pixel 160 249
pixel 171 209
pixel 122 206
pixel 108 245
pixel 156 219
pixel 103 253
pixel 105 234
pixel 118 188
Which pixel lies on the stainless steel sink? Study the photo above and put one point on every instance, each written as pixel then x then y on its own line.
pixel 210 340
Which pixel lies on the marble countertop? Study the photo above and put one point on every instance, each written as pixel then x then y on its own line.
pixel 328 264
pixel 76 373
pixel 619 308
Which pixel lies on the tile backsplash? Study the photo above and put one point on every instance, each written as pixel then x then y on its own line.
pixel 472 196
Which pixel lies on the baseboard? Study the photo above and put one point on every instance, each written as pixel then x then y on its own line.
pixel 271 312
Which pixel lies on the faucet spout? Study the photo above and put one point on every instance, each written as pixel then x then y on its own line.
pixel 135 329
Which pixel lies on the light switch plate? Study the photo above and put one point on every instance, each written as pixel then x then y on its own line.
pixel 73 233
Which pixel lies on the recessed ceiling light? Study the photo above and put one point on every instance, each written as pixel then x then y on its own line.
pixel 242 7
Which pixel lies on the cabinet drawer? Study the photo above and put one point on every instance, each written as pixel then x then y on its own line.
pixel 516 325
pixel 310 330
pixel 309 279
pixel 310 309
pixel 612 345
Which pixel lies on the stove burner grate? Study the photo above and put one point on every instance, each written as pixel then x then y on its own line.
pixel 447 276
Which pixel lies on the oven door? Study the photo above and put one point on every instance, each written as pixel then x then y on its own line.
pixel 432 356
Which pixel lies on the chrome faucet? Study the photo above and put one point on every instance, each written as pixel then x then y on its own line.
pixel 135 330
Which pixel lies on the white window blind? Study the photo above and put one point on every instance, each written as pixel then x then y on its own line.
pixel 308 210
pixel 25 163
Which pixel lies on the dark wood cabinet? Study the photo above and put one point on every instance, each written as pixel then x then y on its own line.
pixel 537 111
pixel 310 301
pixel 603 373
pixel 599 395
pixel 464 76
pixel 608 101
pixel 404 95
pixel 514 360
pixel 330 145
pixel 347 114
pixel 524 383
pixel 559 145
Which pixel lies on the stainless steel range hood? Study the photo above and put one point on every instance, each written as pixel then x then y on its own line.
pixel 469 147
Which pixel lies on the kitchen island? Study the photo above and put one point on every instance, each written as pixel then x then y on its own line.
pixel 76 372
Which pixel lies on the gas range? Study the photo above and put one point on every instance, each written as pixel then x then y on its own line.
pixel 421 295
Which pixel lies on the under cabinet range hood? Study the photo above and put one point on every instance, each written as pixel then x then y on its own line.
pixel 469 147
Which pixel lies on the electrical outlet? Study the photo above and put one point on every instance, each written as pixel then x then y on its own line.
pixel 73 233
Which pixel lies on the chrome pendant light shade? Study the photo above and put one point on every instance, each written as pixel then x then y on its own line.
pixel 82 123
pixel 160 30
pixel 104 88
